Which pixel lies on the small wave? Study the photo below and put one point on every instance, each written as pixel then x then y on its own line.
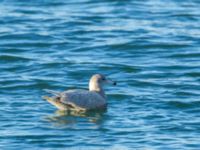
pixel 13 58
pixel 184 105
pixel 193 17
pixel 131 46
pixel 193 74
pixel 186 55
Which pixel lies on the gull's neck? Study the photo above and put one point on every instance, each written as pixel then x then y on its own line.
pixel 96 87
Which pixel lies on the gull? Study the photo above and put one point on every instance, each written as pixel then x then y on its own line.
pixel 94 98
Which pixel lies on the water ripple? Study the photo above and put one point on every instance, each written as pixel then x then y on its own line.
pixel 151 51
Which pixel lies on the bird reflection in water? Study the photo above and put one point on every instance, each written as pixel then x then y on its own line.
pixel 64 118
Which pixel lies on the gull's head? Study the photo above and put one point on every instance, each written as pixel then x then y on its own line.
pixel 98 80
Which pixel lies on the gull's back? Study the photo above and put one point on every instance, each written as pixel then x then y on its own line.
pixel 82 99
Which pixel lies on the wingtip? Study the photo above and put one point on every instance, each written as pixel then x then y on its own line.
pixel 52 92
pixel 46 90
pixel 45 97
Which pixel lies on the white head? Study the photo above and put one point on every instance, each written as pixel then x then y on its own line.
pixel 97 81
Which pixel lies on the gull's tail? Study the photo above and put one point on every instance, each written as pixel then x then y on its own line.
pixel 56 102
pixel 52 92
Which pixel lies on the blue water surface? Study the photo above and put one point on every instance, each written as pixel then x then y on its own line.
pixel 150 47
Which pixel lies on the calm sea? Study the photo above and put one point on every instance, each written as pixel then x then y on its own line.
pixel 150 47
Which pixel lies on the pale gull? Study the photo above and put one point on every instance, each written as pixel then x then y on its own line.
pixel 95 98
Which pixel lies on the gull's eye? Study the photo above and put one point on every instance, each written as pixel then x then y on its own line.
pixel 103 79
